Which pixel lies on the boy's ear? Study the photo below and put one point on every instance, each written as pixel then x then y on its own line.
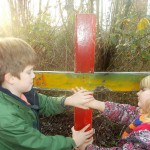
pixel 9 78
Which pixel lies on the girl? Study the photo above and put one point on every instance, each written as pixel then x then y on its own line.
pixel 137 134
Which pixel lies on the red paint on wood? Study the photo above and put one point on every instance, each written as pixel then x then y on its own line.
pixel 82 118
pixel 85 29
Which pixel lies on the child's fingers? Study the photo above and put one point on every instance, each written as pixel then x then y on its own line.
pixel 86 127
pixel 88 99
pixel 77 88
pixel 74 91
pixel 90 132
pixel 89 140
pixel 72 129
pixel 87 94
pixel 83 89
pixel 83 107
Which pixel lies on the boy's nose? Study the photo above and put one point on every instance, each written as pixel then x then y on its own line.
pixel 33 76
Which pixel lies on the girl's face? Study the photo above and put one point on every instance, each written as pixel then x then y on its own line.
pixel 143 97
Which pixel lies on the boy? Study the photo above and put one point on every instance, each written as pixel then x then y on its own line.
pixel 20 105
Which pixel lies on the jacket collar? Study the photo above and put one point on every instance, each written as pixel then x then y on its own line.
pixel 6 91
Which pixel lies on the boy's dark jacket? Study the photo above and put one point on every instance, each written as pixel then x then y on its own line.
pixel 19 122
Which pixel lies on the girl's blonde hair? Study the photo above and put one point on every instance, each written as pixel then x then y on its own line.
pixel 145 83
pixel 15 55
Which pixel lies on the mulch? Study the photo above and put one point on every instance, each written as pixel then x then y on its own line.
pixel 106 132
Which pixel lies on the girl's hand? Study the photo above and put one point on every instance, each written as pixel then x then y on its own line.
pixel 82 135
pixel 79 98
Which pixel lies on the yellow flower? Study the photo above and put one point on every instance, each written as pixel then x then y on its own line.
pixel 142 24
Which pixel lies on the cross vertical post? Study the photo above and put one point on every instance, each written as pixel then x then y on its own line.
pixel 85 29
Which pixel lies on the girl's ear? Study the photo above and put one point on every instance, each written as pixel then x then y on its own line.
pixel 9 78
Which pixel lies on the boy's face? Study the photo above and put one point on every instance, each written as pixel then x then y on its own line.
pixel 25 83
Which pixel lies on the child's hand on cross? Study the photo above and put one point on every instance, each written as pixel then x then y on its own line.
pixel 79 98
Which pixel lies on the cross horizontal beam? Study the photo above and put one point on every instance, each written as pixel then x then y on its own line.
pixel 114 81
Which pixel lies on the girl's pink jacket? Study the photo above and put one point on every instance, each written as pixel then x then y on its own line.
pixel 125 114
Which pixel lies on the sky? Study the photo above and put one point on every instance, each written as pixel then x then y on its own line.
pixel 5 18
pixel 148 10
pixel 4 15
pixel 4 10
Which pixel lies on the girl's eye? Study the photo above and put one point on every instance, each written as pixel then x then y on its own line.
pixel 144 89
pixel 29 72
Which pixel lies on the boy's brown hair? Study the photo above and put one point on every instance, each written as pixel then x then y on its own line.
pixel 15 55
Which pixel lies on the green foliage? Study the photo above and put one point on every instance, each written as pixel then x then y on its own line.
pixel 127 36
pixel 118 42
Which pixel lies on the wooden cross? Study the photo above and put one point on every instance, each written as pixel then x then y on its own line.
pixel 84 75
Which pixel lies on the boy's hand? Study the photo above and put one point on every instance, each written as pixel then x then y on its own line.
pixel 82 135
pixel 80 97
